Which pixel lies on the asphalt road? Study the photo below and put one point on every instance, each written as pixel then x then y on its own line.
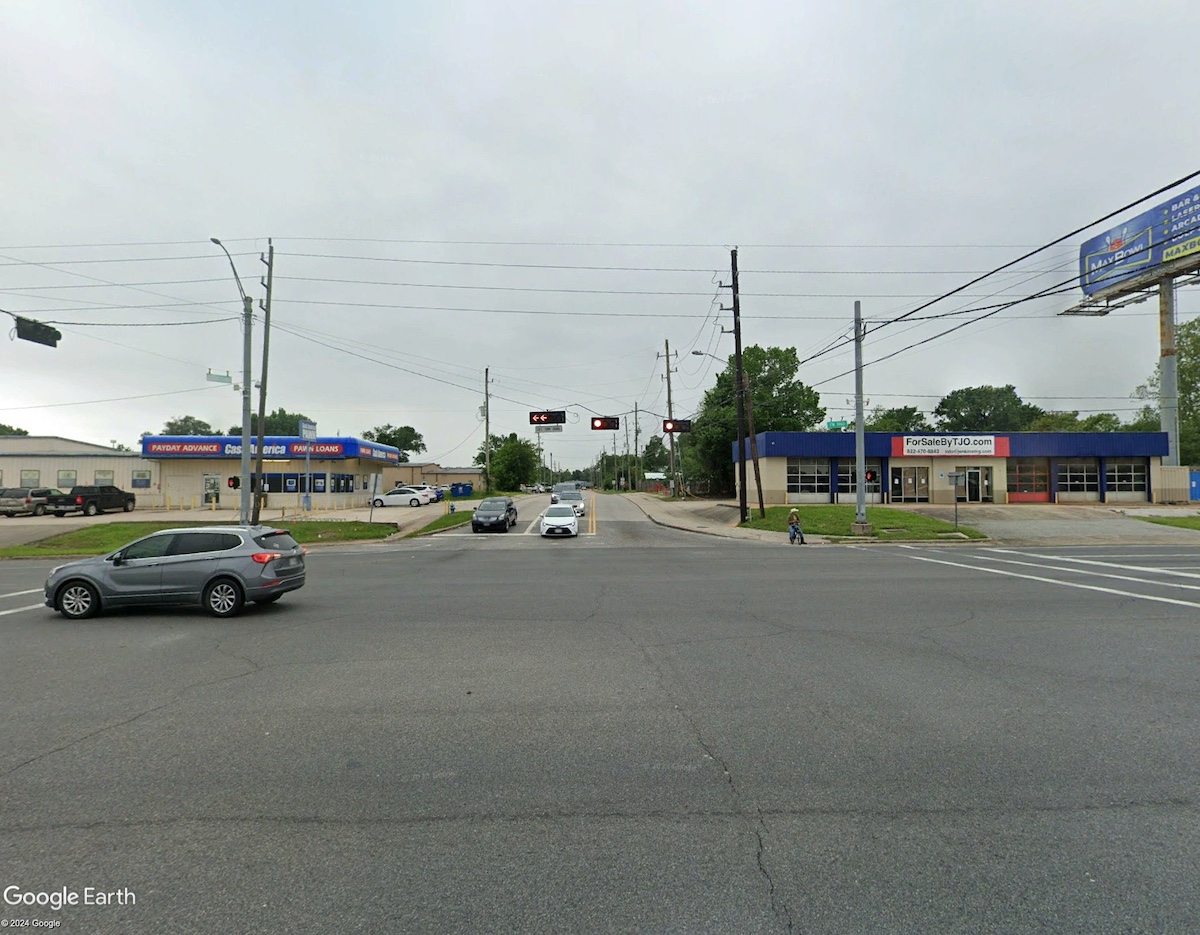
pixel 641 730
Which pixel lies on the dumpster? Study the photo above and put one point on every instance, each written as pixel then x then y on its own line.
pixel 461 490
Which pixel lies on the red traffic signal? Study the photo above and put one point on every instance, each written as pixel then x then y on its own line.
pixel 606 423
pixel 872 476
pixel 551 417
pixel 234 482
pixel 677 425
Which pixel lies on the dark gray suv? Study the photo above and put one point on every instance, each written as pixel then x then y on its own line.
pixel 220 567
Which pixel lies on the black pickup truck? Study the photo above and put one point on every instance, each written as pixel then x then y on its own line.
pixel 91 500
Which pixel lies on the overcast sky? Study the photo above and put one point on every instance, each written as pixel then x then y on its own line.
pixel 551 189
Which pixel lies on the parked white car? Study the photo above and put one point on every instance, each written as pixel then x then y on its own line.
pixel 401 496
pixel 560 520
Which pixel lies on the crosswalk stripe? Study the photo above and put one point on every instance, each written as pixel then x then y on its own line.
pixel 1065 584
pixel 1098 574
pixel 17 610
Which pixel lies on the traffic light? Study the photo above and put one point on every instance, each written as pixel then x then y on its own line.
pixel 872 476
pixel 37 332
pixel 606 423
pixel 677 425
pixel 234 482
pixel 552 417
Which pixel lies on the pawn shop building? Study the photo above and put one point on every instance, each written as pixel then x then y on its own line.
pixel 1015 467
pixel 205 470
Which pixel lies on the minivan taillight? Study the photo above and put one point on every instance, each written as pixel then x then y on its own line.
pixel 263 557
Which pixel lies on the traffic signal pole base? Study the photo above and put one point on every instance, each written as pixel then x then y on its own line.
pixel 861 529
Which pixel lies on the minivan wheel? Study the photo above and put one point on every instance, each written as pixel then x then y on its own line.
pixel 38 510
pixel 78 600
pixel 89 509
pixel 223 598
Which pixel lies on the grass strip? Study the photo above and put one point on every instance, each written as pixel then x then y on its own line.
pixel 445 521
pixel 1179 522
pixel 103 538
pixel 834 521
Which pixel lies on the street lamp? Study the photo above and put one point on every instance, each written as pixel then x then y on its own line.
pixel 247 316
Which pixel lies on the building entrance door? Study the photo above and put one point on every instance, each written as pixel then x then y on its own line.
pixel 212 488
pixel 976 485
pixel 910 485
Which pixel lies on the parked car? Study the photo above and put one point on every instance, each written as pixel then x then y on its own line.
pixel 434 492
pixel 32 500
pixel 219 567
pixel 560 520
pixel 402 496
pixel 90 500
pixel 574 499
pixel 494 513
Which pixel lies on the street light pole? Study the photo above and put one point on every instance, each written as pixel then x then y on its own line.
pixel 247 319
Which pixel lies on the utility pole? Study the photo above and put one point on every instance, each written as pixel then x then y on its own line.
pixel 487 432
pixel 762 510
pixel 637 468
pixel 860 527
pixel 739 387
pixel 262 384
pixel 670 413
pixel 1168 370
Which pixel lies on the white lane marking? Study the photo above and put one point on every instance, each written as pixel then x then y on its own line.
pixel 1098 574
pixel 17 610
pixel 19 593
pixel 1065 584
pixel 1088 561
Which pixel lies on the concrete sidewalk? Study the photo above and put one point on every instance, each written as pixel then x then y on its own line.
pixel 708 517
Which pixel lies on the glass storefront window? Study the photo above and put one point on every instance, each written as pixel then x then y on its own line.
pixel 1079 475
pixel 1125 476
pixel 1028 475
pixel 808 475
pixel 847 476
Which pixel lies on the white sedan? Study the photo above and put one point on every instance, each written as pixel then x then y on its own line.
pixel 560 520
pixel 401 496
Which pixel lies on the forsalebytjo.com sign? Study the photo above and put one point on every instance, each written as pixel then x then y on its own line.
pixel 925 446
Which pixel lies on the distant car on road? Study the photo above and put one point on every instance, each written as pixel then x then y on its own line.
pixel 31 500
pixel 494 513
pixel 90 500
pixel 401 496
pixel 560 520
pixel 575 500
pixel 220 567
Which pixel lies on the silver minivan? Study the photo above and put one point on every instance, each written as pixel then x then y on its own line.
pixel 219 567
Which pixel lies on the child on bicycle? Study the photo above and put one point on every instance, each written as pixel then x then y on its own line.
pixel 795 533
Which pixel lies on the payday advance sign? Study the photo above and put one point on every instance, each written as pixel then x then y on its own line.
pixel 167 446
pixel 925 446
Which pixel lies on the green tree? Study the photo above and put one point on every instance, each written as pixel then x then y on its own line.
pixel 404 437
pixel 279 422
pixel 903 419
pixel 514 462
pixel 781 404
pixel 11 430
pixel 656 456
pixel 1070 422
pixel 985 409
pixel 190 425
pixel 1187 363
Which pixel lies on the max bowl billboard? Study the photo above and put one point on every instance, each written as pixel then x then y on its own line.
pixel 1167 232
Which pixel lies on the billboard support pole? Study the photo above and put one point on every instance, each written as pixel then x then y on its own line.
pixel 1168 371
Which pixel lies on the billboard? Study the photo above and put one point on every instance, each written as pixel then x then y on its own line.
pixel 1166 233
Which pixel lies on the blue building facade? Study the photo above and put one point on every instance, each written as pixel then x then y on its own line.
pixel 972 467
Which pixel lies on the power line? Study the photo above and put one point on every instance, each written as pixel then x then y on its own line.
pixel 115 399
